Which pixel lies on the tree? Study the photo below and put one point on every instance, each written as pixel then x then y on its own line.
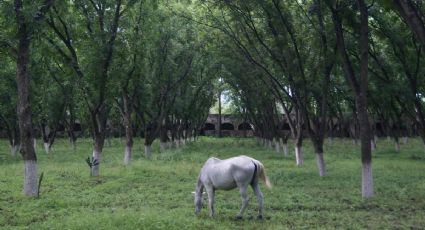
pixel 26 23
pixel 359 84
pixel 8 103
pixel 412 13
pixel 85 39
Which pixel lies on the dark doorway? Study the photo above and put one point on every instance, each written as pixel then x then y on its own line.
pixel 227 126
pixel 209 126
pixel 245 126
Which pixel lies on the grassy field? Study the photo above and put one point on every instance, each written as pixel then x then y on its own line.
pixel 156 193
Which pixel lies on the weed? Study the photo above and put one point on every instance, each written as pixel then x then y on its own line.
pixel 157 193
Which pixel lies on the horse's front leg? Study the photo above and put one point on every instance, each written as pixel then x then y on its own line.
pixel 245 200
pixel 259 194
pixel 211 194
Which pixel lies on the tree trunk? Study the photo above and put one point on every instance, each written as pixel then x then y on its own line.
pixel 320 164
pixel 98 122
pixel 298 151
pixel 367 180
pixel 30 178
pixel 97 152
pixel 193 135
pixel 13 137
pixel 35 143
pixel 318 149
pixel 298 147
pixel 298 155
pixel 163 146
pixel 14 149
pixel 47 147
pixel 397 145
pixel 163 136
pixel 15 145
pixel 184 137
pixel 128 130
pixel 148 151
pixel 285 149
pixel 277 145
pixel 73 144
pixel 128 154
pixel 71 134
pixel 24 105
pixel 372 144
pixel 361 103
pixel 359 86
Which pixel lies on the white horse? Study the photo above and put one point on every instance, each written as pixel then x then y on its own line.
pixel 240 172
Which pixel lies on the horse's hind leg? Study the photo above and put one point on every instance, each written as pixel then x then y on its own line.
pixel 245 200
pixel 259 195
pixel 211 194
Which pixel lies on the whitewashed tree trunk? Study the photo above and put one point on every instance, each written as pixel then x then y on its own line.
pixel 73 145
pixel 405 140
pixel 269 144
pixel 14 150
pixel 169 144
pixel 331 140
pixel 148 151
pixel 388 138
pixel 298 155
pixel 367 180
pixel 47 147
pixel 285 150
pixel 35 143
pixel 177 143
pixel 163 146
pixel 321 164
pixel 375 138
pixel 95 168
pixel 373 144
pixel 277 145
pixel 397 146
pixel 108 141
pixel 30 178
pixel 127 154
pixel 184 137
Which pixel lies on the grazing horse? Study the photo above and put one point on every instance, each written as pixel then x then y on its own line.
pixel 240 172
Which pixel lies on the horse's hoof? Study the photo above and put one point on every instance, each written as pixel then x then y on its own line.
pixel 238 218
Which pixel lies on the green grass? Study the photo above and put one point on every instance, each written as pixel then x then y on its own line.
pixel 156 193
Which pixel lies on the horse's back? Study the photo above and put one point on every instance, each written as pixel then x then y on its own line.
pixel 226 174
pixel 243 168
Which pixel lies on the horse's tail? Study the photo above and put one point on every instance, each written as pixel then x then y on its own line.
pixel 262 174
